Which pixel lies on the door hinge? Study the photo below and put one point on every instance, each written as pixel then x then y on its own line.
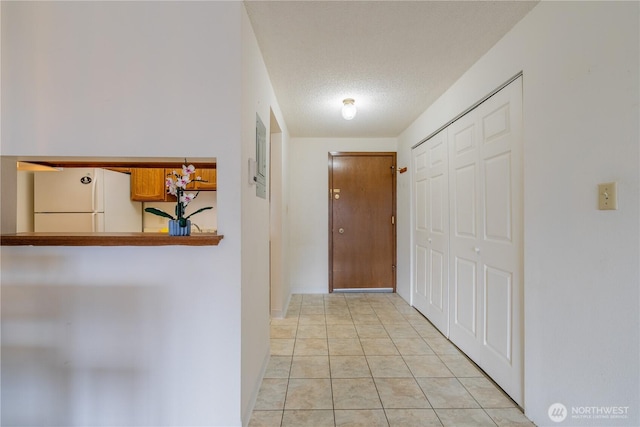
pixel 393 169
pixel 393 219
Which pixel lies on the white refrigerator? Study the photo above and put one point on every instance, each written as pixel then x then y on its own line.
pixel 84 200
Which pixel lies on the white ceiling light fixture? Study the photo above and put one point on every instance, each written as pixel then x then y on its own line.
pixel 348 109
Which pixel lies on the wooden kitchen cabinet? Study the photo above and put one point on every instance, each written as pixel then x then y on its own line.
pixel 208 182
pixel 148 184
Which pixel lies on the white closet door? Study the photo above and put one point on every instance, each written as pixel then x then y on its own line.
pixel 464 176
pixel 431 231
pixel 486 268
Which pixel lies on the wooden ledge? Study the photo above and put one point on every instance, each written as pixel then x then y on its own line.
pixel 108 239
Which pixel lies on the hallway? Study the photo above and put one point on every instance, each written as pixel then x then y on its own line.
pixel 356 359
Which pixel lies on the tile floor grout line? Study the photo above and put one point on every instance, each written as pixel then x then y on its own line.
pixel 413 375
pixel 286 392
pixel 399 353
pixel 373 379
pixel 333 402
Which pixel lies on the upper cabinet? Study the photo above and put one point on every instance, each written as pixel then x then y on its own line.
pixel 148 184
pixel 208 182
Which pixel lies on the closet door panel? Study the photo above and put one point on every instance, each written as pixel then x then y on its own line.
pixel 498 323
pixel 500 242
pixel 431 230
pixel 464 177
pixel 498 209
pixel 486 237
pixel 465 300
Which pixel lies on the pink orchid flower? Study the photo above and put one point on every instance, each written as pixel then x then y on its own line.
pixel 186 198
pixel 171 186
pixel 183 181
pixel 188 170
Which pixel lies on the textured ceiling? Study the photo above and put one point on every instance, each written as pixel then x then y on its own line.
pixel 395 58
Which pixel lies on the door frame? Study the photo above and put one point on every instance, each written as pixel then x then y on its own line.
pixel 278 283
pixel 333 154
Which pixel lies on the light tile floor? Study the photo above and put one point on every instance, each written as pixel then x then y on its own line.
pixel 359 359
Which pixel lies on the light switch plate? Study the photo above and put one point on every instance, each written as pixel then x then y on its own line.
pixel 608 196
pixel 252 171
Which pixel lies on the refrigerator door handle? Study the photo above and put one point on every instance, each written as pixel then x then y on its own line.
pixel 94 223
pixel 94 201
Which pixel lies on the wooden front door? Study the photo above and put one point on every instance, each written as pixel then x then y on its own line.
pixel 362 237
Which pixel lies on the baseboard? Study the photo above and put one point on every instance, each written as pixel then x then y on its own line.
pixel 278 314
pixel 301 290
pixel 281 314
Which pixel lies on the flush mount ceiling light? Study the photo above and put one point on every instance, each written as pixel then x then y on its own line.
pixel 348 109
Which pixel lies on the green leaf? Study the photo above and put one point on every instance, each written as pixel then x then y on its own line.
pixel 198 211
pixel 158 212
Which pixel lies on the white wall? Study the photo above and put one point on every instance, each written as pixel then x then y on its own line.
pixel 257 98
pixel 309 206
pixel 118 336
pixel 581 127
pixel 148 84
pixel 129 335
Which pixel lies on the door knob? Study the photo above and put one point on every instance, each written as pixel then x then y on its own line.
pixel 341 230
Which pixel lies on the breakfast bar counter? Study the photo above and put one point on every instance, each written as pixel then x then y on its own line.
pixel 108 239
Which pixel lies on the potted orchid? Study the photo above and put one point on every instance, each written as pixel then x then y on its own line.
pixel 180 225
